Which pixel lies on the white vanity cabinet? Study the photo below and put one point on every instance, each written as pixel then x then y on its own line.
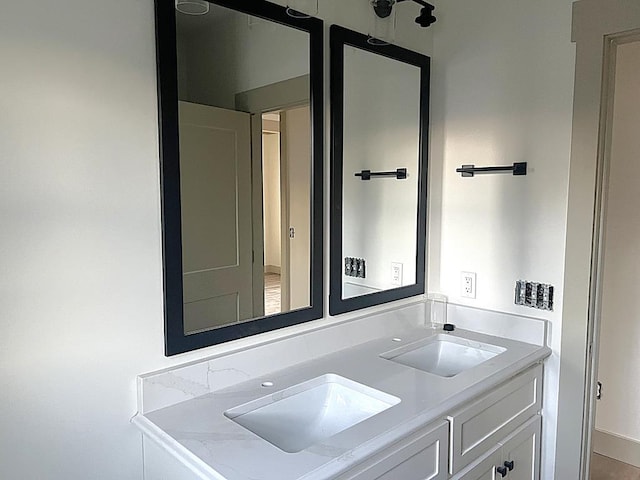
pixel 497 433
pixel 421 456
pixel 515 458
pixel 493 436
pixel 479 426
pixel 462 428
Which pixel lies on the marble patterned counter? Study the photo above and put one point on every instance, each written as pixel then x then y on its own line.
pixel 188 422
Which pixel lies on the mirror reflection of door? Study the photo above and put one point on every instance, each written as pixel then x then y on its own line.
pixel 215 168
pixel 245 161
pixel 286 164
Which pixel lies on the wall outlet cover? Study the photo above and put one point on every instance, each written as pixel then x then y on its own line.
pixel 468 285
pixel 396 274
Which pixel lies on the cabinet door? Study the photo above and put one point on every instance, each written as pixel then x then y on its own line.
pixel 425 464
pixel 422 456
pixel 523 449
pixel 483 469
pixel 479 426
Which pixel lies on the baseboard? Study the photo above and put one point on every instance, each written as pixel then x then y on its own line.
pixel 272 269
pixel 616 447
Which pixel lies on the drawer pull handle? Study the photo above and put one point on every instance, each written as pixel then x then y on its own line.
pixel 509 465
pixel 502 471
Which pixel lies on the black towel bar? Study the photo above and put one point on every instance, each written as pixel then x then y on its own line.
pixel 519 168
pixel 399 174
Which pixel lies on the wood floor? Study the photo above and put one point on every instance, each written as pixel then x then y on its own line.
pixel 605 468
pixel 272 293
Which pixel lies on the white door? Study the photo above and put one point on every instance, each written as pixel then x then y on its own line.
pixel 215 169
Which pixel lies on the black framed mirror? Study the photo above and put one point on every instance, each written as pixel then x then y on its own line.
pixel 240 88
pixel 379 159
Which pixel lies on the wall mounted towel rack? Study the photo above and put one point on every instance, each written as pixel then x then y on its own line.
pixel 399 174
pixel 519 168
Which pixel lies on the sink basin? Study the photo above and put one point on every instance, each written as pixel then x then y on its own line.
pixel 444 355
pixel 305 414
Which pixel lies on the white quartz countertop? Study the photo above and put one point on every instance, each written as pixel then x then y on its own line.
pixel 198 432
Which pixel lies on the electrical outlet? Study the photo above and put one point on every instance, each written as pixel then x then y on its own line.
pixel 468 285
pixel 396 274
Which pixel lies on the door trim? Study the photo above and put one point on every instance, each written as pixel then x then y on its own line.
pixel 595 22
pixel 285 221
pixel 597 261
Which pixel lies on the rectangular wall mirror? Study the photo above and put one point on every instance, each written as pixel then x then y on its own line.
pixel 379 135
pixel 240 99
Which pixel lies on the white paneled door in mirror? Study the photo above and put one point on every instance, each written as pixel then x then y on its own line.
pixel 241 145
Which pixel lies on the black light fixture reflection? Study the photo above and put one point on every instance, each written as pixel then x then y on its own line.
pixel 382 29
pixel 426 16
pixel 383 8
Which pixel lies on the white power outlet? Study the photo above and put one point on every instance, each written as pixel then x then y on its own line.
pixel 396 274
pixel 468 285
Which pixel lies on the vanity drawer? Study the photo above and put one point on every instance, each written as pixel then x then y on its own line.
pixel 421 456
pixel 479 426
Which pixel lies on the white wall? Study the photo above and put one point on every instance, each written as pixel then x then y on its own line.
pixel 80 245
pixel 619 355
pixel 80 290
pixel 250 54
pixel 502 93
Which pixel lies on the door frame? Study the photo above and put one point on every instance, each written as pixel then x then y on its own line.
pixel 283 95
pixel 285 219
pixel 597 24
pixel 597 263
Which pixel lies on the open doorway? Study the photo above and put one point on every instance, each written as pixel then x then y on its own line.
pixel 616 419
pixel 286 177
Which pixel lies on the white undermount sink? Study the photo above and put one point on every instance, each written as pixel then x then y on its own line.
pixel 305 414
pixel 443 355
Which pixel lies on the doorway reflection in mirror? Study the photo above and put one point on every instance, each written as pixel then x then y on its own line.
pixel 245 166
